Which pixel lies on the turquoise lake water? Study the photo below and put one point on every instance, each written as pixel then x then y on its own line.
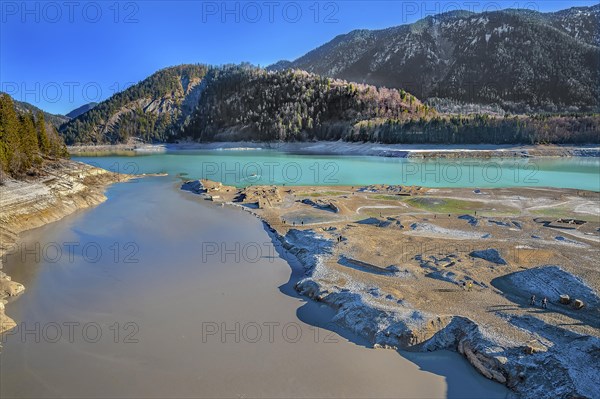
pixel 243 168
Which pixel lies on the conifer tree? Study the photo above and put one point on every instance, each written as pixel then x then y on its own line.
pixel 42 136
pixel 9 132
pixel 24 138
pixel 28 140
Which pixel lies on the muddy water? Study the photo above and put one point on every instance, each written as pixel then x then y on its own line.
pixel 157 294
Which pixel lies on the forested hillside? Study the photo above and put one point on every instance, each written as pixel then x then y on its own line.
pixel 483 129
pixel 245 102
pixel 25 139
pixel 81 110
pixel 54 119
pixel 522 60
pixel 474 72
pixel 153 110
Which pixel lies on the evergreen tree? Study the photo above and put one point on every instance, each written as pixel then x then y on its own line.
pixel 9 132
pixel 28 140
pixel 24 138
pixel 42 136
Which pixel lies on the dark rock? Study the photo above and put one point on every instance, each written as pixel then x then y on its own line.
pixel 470 219
pixel 491 255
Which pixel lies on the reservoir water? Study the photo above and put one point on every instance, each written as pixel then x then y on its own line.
pixel 124 300
pixel 242 168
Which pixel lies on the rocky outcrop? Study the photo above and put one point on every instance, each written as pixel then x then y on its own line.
pixel 564 286
pixel 491 255
pixel 323 205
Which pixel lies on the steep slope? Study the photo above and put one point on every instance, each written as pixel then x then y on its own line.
pixel 579 22
pixel 243 102
pixel 55 120
pixel 83 109
pixel 235 103
pixel 154 109
pixel 522 60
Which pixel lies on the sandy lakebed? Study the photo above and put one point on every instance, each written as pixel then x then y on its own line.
pixel 421 269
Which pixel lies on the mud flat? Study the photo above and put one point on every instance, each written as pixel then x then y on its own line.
pixel 420 269
pixel 61 188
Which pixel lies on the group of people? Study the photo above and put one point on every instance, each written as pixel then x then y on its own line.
pixel 467 286
pixel 293 223
pixel 544 302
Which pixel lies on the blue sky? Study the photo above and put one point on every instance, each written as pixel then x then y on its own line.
pixel 59 55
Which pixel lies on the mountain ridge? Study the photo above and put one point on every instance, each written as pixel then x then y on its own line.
pixel 500 57
pixel 446 58
pixel 154 109
pixel 81 110
pixel 242 102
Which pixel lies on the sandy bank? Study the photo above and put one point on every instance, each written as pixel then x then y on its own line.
pixel 394 272
pixel 370 149
pixel 121 149
pixel 62 188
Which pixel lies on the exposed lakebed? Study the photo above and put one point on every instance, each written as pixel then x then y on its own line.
pixel 156 301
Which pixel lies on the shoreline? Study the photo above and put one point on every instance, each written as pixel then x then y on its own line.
pixel 64 188
pixel 385 304
pixel 350 278
pixel 171 210
pixel 357 149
